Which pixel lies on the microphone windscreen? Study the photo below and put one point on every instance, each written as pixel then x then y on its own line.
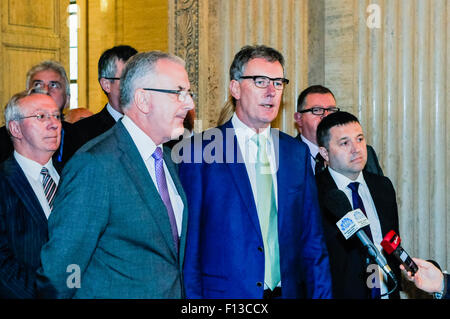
pixel 337 203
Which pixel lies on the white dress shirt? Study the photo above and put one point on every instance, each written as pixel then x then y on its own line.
pixel 146 148
pixel 249 151
pixel 116 115
pixel 375 227
pixel 33 174
pixel 313 151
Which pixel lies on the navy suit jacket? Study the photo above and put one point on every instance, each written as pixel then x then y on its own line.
pixel 224 254
pixel 23 231
pixel 348 257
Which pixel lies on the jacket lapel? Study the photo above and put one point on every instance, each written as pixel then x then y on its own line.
pixel 239 173
pixel 135 166
pixel 22 188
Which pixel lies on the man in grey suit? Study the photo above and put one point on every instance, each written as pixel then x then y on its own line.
pixel 119 220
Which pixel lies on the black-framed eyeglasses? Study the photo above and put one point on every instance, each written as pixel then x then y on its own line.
pixel 262 81
pixel 182 94
pixel 318 110
pixel 110 78
pixel 42 117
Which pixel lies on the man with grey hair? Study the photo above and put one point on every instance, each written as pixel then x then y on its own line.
pixel 125 237
pixel 50 77
pixel 28 182
pixel 110 66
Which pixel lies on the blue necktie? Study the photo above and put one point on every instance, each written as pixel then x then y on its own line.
pixel 358 203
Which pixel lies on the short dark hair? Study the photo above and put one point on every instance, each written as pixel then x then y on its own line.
pixel 334 119
pixel 107 61
pixel 301 101
pixel 248 53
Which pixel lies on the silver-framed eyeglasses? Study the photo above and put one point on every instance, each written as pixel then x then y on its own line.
pixel 42 117
pixel 262 81
pixel 318 110
pixel 182 94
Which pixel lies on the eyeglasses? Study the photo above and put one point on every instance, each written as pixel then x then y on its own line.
pixel 317 110
pixel 110 78
pixel 182 94
pixel 41 117
pixel 262 81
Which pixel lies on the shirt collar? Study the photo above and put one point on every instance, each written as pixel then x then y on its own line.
pixel 116 115
pixel 245 132
pixel 143 142
pixel 30 167
pixel 343 181
pixel 313 148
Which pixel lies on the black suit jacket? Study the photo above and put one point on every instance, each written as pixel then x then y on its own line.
pixel 23 231
pixel 372 165
pixel 348 257
pixel 91 127
pixel 61 156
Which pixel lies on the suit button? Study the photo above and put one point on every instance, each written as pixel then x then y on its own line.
pixel 259 284
pixel 260 249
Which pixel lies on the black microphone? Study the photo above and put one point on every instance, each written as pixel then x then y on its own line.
pixel 351 221
pixel 391 245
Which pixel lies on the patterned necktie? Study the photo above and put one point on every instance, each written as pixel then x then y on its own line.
pixel 358 203
pixel 164 192
pixel 267 213
pixel 320 163
pixel 49 186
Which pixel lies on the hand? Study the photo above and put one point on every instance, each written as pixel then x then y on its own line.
pixel 428 278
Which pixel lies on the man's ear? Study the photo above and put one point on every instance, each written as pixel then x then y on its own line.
pixel 105 84
pixel 235 89
pixel 15 130
pixel 142 100
pixel 324 153
pixel 298 119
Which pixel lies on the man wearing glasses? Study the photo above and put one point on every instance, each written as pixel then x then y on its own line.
pixel 28 182
pixel 49 77
pixel 313 104
pixel 125 236
pixel 110 66
pixel 254 229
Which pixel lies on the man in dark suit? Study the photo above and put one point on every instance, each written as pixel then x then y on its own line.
pixel 313 104
pixel 125 236
pixel 49 77
pixel 27 190
pixel 110 66
pixel 254 225
pixel 342 145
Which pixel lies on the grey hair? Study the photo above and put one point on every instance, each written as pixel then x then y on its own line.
pixel 12 110
pixel 139 67
pixel 49 65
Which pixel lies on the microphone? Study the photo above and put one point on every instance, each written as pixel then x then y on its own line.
pixel 391 245
pixel 351 222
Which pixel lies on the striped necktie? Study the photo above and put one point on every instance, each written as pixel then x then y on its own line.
pixel 49 186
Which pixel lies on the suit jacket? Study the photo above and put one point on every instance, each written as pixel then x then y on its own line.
pixel 109 220
pixel 60 157
pixel 23 231
pixel 348 257
pixel 372 165
pixel 91 127
pixel 224 255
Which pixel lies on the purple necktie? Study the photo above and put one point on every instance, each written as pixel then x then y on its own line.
pixel 164 192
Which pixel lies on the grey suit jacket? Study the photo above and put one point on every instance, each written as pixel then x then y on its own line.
pixel 109 220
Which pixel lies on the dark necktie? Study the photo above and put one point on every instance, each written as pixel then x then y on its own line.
pixel 320 163
pixel 164 192
pixel 49 186
pixel 358 203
